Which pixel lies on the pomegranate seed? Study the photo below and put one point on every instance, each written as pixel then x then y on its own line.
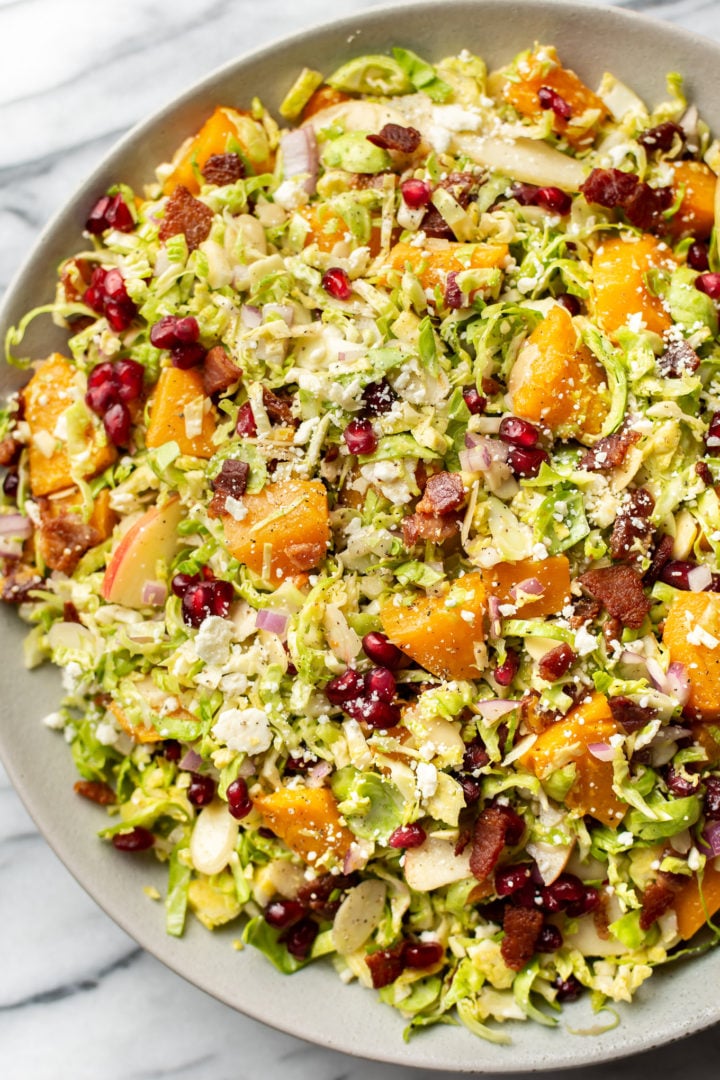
pixel 299 939
pixel 110 212
pixel 407 836
pixel 568 989
pixel 422 954
pixel 201 791
pixel 711 805
pixel 712 440
pixel 525 194
pixel 587 903
pixel 114 286
pixel 709 284
pixel 380 682
pixel 554 200
pixel 511 879
pixel 697 256
pixel 381 651
pixel 677 573
pixel 569 302
pixel 182 582
pixel 661 137
pixel 415 193
pixel 514 827
pixel 138 839
pixel 172 750
pixel 567 889
pixel 162 333
pixel 454 297
pixel 549 939
pixel 518 432
pixel 222 597
pixel 550 99
pixel 344 687
pixel 336 283
pixel 474 400
pixel 379 397
pixel 376 713
pixel 117 424
pixel 505 673
pixel 187 356
pixel 283 913
pixel 129 376
pixel 472 789
pixel 360 438
pixel 101 398
pixel 197 604
pixel 118 315
pixel 93 297
pixel 526 462
pixel 680 785
pixel 557 662
pixel 101 374
pixel 475 756
pixel 11 483
pixel 246 425
pixel 187 330
pixel 239 801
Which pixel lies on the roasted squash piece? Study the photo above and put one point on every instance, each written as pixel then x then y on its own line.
pixel 692 635
pixel 567 741
pixel 291 517
pixel 553 574
pixel 308 821
pixel 46 397
pixel 171 419
pixel 432 262
pixel 556 380
pixel 696 214
pixel 691 916
pixel 226 131
pixel 323 98
pixel 441 632
pixel 103 517
pixel 619 285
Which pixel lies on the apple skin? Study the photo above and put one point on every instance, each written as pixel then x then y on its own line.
pixel 151 538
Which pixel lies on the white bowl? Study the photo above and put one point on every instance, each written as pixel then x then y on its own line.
pixel 313 1004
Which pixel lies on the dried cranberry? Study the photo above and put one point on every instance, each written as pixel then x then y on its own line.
pixel 568 989
pixel 110 212
pixel 381 651
pixel 711 805
pixel 570 303
pixel 415 193
pixel 677 573
pixel 475 756
pixel 380 682
pixel 549 940
pixel 239 801
pixel 506 672
pixel 709 284
pixel 379 397
pixel 554 200
pixel 557 662
pixel 299 939
pixel 138 839
pixel 117 423
pixel 550 99
pixel 472 789
pixel 697 256
pixel 344 687
pixel 422 954
pixel 510 879
pixel 336 283
pixel 518 432
pixel 526 462
pixel 609 187
pixel 474 400
pixel 172 750
pixel 360 438
pixel 661 137
pixel 283 913
pixel 201 791
pixel 407 836
pixel 680 785
pixel 246 426
pixel 11 483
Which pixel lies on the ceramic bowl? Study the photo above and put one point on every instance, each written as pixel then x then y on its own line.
pixel 313 1004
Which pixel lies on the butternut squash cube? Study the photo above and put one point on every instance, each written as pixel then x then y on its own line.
pixel 103 517
pixel 692 635
pixel 556 380
pixel 291 517
pixel 696 215
pixel 619 286
pixel 553 574
pixel 441 632
pixel 688 904
pixel 308 821
pixel 171 419
pixel 226 131
pixel 432 262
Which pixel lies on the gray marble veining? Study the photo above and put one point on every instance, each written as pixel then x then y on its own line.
pixel 78 998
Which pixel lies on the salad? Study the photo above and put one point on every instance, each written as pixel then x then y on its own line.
pixel 371 515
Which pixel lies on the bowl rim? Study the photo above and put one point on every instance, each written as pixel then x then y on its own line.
pixel 32 798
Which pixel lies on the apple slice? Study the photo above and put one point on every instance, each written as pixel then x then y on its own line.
pixel 153 538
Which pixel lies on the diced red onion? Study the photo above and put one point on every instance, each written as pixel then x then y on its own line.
pixel 657 675
pixel 493 709
pixel 678 683
pixel 285 311
pixel 636 663
pixel 317 774
pixel 300 156
pixel 11 549
pixel 481 453
pixel 601 750
pixel 16 526
pixel 154 593
pixel 190 762
pixel 250 316
pixel 699 578
pixel 530 586
pixel 358 856
pixel 273 621
pixel 711 836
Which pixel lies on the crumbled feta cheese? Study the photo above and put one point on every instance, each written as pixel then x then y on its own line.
pixel 244 730
pixel 54 720
pixel 213 640
pixel 291 193
pixel 426 779
pixel 699 636
pixel 585 642
pixel 235 508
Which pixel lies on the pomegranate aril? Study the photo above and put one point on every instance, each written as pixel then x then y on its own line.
pixel 525 194
pixel 114 286
pixel 380 682
pixel 118 314
pixel 506 672
pixel 117 424
pixel 223 595
pixel 550 99
pixel 238 797
pixel 677 573
pixel 100 398
pixel 549 939
pixel 374 712
pixel 709 284
pixel 360 438
pixel 138 839
pixel 518 432
pixel 711 803
pixel 472 789
pixel 474 400
pixel 526 462
pixel 201 791
pixel 381 651
pixel 415 193
pixel 197 604
pixel 570 303
pixel 129 376
pixel 182 582
pixel 336 283
pixel 344 687
pixel 511 879
pixel 110 212
pixel 379 397
pixel 554 200
pixel 100 374
pixel 187 330
pixel 162 333
pixel 187 356
pixel 568 989
pixel 246 425
pixel 680 786
pixel 712 439
pixel 172 750
pixel 422 954
pixel 299 939
pixel 11 483
pixel 567 889
pixel 407 836
pixel 475 756
pixel 283 913
pixel 697 256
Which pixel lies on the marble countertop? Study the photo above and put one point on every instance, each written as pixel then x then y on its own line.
pixel 78 998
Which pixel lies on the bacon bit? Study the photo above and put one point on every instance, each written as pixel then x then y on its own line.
pixel 609 452
pixel 232 478
pixel 495 827
pixel 9 451
pixel 444 494
pixel 611 631
pixel 620 590
pixel 316 894
pixel 535 719
pixel 703 471
pixel 421 474
pixel 64 540
pixel 629 714
pixel 373 181
pixel 219 372
pixel 431 527
pixel 601 917
pixel 278 408
pixel 460 185
pixel 491 385
pixel 96 791
pixel 70 612
pixel 464 838
pixel 661 557
pixel 521 927
pixel 678 359
pixel 221 169
pixel 396 137
pixel 555 663
pixel 385 965
pixel 658 898
pixel 186 214
pixel 18 583
pixel 586 610
pixel 642 204
pixel 632 531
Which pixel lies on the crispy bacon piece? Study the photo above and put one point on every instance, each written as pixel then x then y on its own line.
pixel 444 494
pixel 620 591
pixel 396 137
pixel 316 894
pixel 703 471
pixel 521 927
pixel 678 359
pixel 661 556
pixel 632 531
pixel 495 827
pixel 609 452
pixel 385 965
pixel 186 214
pixel 586 609
pixel 460 185
pixel 431 527
pixel 629 714
pixel 9 451
pixel 70 612
pixel 232 478
pixel 221 169
pixel 96 791
pixel 279 409
pixel 219 372
pixel 643 205
pixel 657 899
pixel 64 540
pixel 18 583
